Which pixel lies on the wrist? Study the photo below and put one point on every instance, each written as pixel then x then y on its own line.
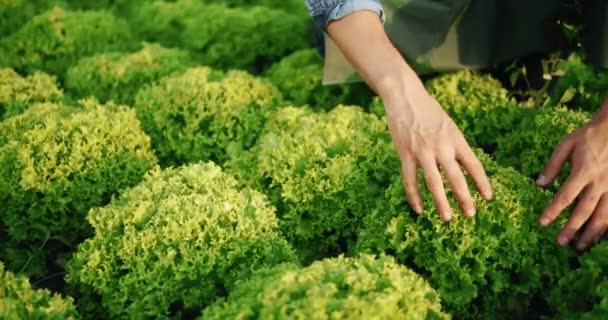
pixel 395 88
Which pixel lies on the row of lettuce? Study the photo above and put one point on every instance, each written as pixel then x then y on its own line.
pixel 213 32
pixel 249 190
pixel 186 188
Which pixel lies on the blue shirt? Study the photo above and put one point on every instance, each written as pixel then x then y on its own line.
pixel 325 11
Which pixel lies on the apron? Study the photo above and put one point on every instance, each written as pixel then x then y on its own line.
pixel 596 14
pixel 449 35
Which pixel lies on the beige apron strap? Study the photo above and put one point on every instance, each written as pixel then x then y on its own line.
pixel 336 68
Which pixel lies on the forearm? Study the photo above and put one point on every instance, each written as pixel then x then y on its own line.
pixel 361 37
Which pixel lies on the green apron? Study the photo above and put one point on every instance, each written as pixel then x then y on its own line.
pixel 448 35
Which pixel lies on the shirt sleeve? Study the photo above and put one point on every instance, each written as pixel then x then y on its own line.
pixel 326 11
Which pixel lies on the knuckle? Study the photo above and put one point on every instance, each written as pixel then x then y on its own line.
pixel 482 181
pixel 409 184
pixel 406 159
pixel 425 157
pixel 460 189
pixel 550 214
pixel 569 232
pixel 467 204
pixel 436 190
pixel 575 223
pixel 593 198
pixel 578 171
pixel 577 219
pixel 587 200
pixel 564 200
pixel 463 145
pixel 476 165
pixel 445 150
pixel 462 193
pixel 446 159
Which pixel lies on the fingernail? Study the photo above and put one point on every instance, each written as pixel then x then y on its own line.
pixel 470 212
pixel 544 222
pixel 418 209
pixel 563 240
pixel 487 194
pixel 448 216
pixel 542 180
pixel 581 245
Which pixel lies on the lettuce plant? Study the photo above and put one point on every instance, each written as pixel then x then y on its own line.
pixel 495 265
pixel 118 76
pixel 15 13
pixel 58 38
pixel 365 287
pixel 583 292
pixel 249 38
pixel 17 93
pixel 176 242
pixel 19 301
pixel 205 114
pixel 528 147
pixel 292 6
pixel 299 76
pixel 322 171
pixel 478 104
pixel 57 162
pixel 121 8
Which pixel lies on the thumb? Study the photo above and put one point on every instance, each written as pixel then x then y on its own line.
pixel 554 166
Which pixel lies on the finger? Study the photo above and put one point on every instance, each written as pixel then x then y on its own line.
pixel 456 179
pixel 564 197
pixel 434 183
pixel 471 164
pixel 597 225
pixel 554 166
pixel 410 182
pixel 601 234
pixel 583 210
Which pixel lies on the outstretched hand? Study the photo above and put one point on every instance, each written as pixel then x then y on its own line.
pixel 423 133
pixel 587 151
pixel 425 136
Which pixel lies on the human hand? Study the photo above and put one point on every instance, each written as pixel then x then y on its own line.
pixel 422 132
pixel 425 136
pixel 587 151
